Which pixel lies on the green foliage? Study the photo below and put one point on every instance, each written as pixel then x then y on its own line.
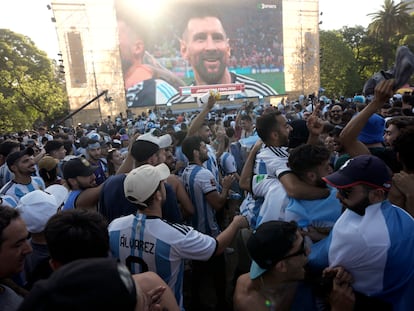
pixel 372 49
pixel 30 90
pixel 339 70
pixel 389 25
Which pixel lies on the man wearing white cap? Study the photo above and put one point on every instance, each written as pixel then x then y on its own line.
pixel 147 149
pixel 145 241
pixel 36 208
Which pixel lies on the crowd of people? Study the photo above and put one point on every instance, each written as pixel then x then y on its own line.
pixel 303 206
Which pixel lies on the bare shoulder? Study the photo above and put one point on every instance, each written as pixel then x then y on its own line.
pixel 173 179
pixel 245 296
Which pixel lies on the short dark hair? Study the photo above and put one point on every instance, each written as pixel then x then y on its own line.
pixel 403 145
pixel 53 145
pixel 400 122
pixel 76 234
pixel 194 11
pixel 7 146
pixel 7 215
pixel 266 123
pixel 306 157
pixel 189 145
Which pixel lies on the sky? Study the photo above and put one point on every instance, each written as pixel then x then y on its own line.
pixel 33 19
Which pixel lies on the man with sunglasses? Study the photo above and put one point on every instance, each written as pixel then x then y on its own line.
pixel 279 254
pixel 373 239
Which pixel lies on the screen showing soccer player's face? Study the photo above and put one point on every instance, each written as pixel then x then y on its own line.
pixel 205 46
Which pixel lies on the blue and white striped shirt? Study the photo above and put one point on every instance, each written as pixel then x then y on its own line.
pixel 16 191
pixel 149 243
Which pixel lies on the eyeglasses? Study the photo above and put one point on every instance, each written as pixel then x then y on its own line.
pixel 301 251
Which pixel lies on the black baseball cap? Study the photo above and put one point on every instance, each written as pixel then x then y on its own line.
pixel 269 243
pixel 78 167
pixel 364 169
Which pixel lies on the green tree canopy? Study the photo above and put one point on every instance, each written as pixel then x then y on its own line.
pixel 339 69
pixel 389 25
pixel 30 91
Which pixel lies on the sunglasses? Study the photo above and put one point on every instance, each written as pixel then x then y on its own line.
pixel 301 251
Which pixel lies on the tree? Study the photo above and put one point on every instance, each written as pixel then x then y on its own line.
pixel 365 48
pixel 339 69
pixel 389 25
pixel 30 91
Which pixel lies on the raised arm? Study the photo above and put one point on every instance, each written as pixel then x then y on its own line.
pixel 300 190
pixel 349 135
pixel 88 198
pixel 245 181
pixel 199 119
pixel 315 126
pixel 128 164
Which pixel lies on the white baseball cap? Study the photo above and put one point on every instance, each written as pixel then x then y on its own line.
pixel 163 141
pixel 38 206
pixel 142 182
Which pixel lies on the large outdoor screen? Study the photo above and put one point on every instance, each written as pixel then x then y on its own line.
pixel 183 43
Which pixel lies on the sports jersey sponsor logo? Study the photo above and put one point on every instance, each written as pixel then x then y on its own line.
pixel 147 247
pixel 212 182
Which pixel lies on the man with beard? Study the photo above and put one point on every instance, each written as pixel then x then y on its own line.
pixel 147 242
pixel 200 128
pixel 14 247
pixel 205 46
pixel 279 254
pixel 272 160
pixel 22 165
pixel 335 115
pixel 94 154
pixel 373 239
pixel 317 217
pixel 80 178
pixel 202 189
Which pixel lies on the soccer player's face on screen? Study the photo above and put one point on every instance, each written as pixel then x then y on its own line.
pixel 205 46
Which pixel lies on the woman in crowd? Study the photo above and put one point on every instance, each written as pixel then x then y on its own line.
pixel 114 160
